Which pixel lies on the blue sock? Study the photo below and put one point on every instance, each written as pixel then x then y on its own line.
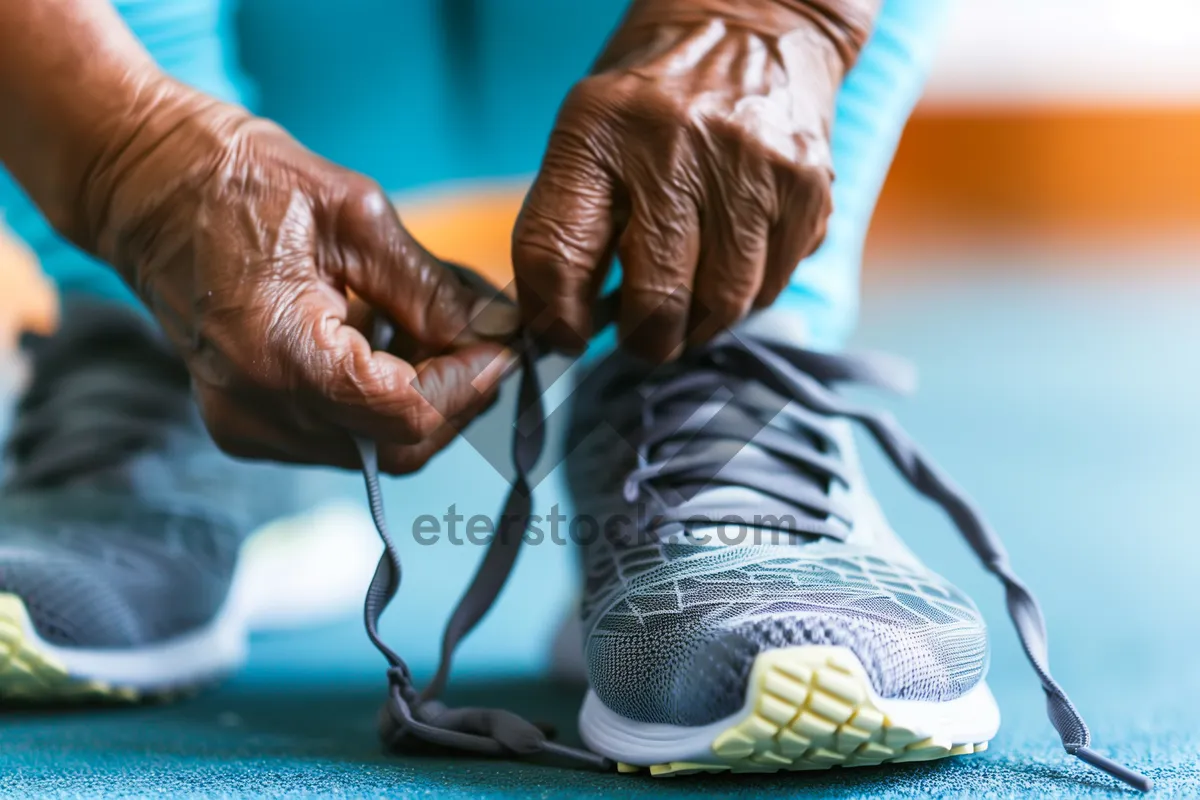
pixel 873 106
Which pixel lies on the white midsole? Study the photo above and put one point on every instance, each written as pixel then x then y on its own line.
pixel 974 717
pixel 221 646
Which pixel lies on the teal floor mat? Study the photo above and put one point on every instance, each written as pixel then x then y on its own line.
pixel 1069 412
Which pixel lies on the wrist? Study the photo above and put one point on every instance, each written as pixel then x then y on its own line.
pixel 86 135
pixel 151 161
pixel 846 23
pixel 843 25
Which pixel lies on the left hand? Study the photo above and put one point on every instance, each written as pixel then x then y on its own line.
pixel 263 263
pixel 698 151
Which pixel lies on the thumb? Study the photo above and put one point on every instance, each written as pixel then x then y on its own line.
pixel 438 305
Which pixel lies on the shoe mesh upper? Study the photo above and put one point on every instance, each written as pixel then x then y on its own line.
pixel 672 628
pixel 120 520
pixel 674 641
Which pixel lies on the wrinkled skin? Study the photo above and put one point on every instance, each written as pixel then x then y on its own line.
pixel 249 249
pixel 698 152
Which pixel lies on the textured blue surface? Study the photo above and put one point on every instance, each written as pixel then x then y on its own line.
pixel 1067 409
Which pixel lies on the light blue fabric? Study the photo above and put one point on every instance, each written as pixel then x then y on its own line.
pixel 873 107
pixel 402 93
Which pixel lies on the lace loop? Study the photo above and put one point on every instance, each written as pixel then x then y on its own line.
pixel 409 716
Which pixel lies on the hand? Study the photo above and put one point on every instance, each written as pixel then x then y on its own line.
pixel 698 150
pixel 247 248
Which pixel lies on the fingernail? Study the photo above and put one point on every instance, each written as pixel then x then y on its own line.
pixel 511 363
pixel 503 365
pixel 495 318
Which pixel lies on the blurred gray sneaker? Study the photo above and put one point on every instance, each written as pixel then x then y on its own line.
pixel 134 555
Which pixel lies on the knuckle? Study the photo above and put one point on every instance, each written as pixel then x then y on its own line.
pixel 421 419
pixel 366 200
pixel 546 253
pixel 663 242
pixel 658 301
pixel 749 187
pixel 551 246
pixel 739 240
pixel 722 308
pixel 669 156
pixel 680 179
pixel 655 110
pixel 799 177
pixel 592 97
pixel 356 379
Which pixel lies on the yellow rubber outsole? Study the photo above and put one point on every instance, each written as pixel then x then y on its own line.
pixel 812 709
pixel 29 676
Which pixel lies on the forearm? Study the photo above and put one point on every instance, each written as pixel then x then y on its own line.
pixel 74 83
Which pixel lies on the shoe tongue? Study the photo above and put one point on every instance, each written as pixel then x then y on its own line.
pixel 716 490
pixel 774 326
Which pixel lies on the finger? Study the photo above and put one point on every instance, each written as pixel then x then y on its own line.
pixel 380 396
pixel 406 459
pixel 390 270
pixel 730 273
pixel 240 430
pixel 562 239
pixel 659 251
pixel 806 203
pixel 362 318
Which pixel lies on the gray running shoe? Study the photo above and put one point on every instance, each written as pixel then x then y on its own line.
pixel 122 526
pixel 747 607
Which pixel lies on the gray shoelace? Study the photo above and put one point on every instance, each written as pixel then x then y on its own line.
pixel 411 717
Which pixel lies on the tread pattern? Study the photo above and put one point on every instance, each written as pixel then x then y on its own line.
pixel 812 710
pixel 30 677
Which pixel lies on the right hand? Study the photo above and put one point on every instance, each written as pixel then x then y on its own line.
pixel 250 250
pixel 698 152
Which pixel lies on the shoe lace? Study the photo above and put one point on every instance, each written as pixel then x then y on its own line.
pixel 101 393
pixel 723 419
pixel 804 378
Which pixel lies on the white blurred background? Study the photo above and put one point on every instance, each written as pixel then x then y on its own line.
pixel 1070 52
